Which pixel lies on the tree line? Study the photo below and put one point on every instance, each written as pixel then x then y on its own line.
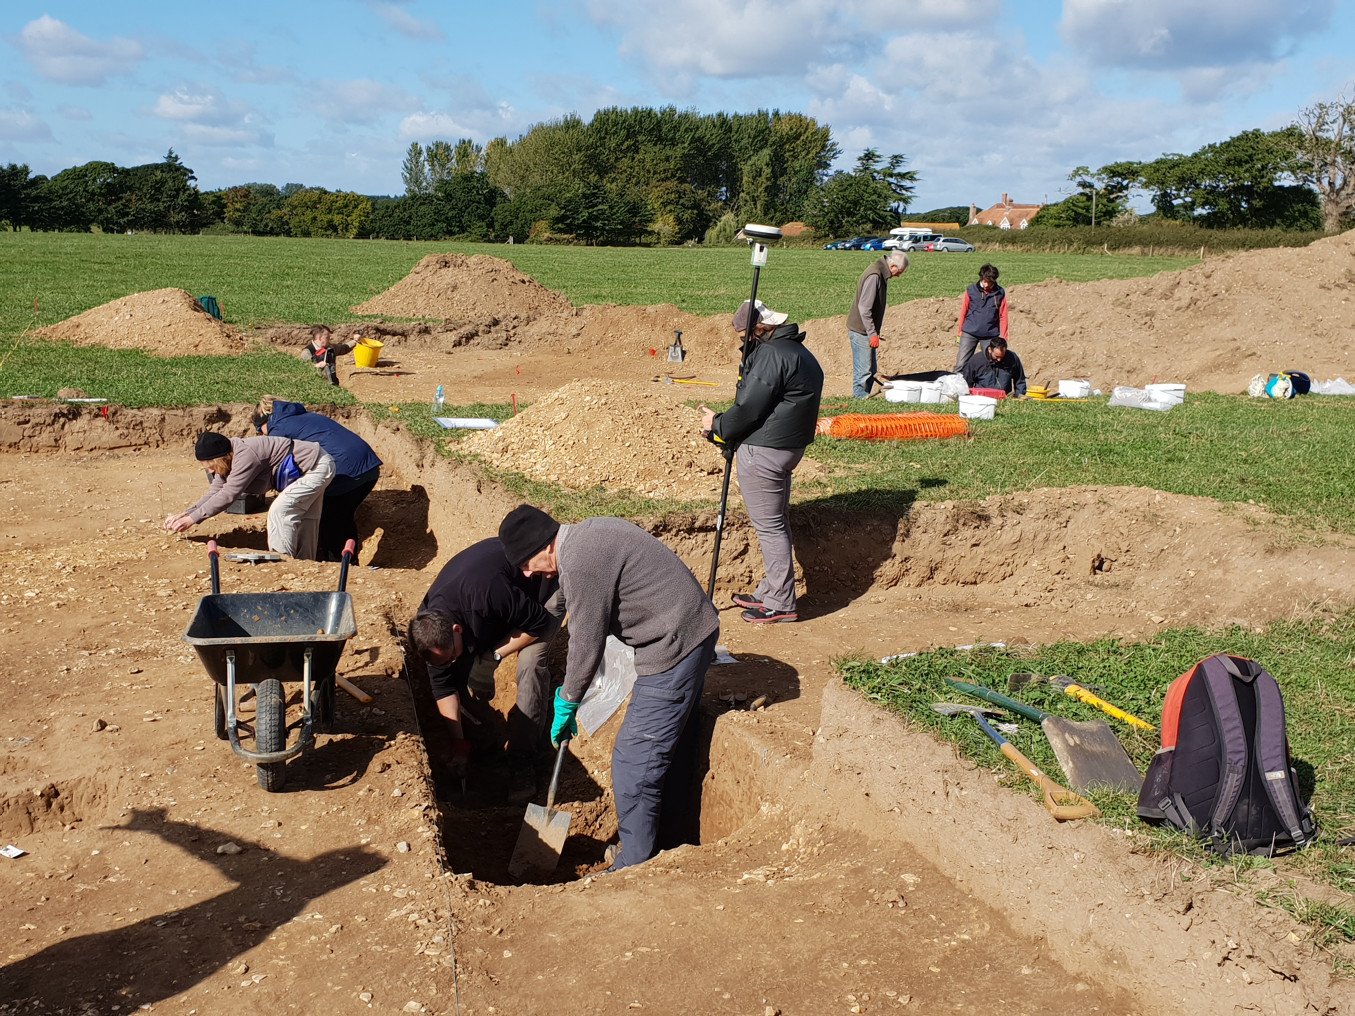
pixel 671 176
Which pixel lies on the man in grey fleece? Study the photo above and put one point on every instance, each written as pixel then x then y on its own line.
pixel 866 319
pixel 619 580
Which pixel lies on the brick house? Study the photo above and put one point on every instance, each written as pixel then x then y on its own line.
pixel 1004 215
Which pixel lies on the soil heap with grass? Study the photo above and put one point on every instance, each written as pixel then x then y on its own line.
pixel 163 322
pixel 458 287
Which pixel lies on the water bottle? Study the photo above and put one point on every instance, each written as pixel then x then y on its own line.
pixel 439 401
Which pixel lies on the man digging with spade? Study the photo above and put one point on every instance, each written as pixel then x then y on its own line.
pixel 619 580
pixel 772 421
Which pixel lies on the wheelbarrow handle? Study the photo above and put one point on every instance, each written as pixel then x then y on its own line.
pixel 349 549
pixel 214 556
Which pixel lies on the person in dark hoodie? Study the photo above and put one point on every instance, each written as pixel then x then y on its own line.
pixel 357 468
pixel 995 366
pixel 772 421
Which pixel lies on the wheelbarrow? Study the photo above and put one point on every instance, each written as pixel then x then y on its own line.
pixel 264 640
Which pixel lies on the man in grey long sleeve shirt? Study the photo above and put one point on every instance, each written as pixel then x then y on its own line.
pixel 619 580
pixel 867 317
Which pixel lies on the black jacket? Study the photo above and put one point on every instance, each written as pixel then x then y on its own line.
pixel 776 404
pixel 1008 376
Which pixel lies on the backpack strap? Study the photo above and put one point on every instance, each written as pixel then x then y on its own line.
pixel 1218 672
pixel 1272 753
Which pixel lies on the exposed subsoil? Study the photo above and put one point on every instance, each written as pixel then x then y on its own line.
pixel 848 863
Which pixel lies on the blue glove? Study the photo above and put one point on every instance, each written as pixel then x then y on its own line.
pixel 563 727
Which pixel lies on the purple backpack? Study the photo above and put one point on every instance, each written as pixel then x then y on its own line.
pixel 1223 772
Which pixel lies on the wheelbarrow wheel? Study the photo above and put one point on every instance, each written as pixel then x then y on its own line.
pixel 219 711
pixel 270 732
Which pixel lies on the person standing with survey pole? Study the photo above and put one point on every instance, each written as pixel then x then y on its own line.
pixel 758 237
pixel 866 319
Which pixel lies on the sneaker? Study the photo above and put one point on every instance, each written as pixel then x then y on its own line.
pixel 609 855
pixel 745 600
pixel 765 615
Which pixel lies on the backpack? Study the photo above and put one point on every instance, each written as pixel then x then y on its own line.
pixel 1223 772
pixel 288 472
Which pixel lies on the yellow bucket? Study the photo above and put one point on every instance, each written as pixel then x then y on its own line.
pixel 367 352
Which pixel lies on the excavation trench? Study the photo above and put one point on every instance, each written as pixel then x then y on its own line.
pixel 825 832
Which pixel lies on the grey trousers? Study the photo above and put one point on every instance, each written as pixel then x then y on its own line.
pixel 764 478
pixel 294 518
pixel 653 763
pixel 533 709
pixel 968 344
pixel 527 720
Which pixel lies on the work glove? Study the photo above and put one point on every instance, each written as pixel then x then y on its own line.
pixel 875 342
pixel 564 727
pixel 460 757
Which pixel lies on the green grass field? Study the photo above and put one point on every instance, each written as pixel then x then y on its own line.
pixel 267 280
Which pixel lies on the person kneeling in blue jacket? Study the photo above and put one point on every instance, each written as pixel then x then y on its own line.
pixel 357 468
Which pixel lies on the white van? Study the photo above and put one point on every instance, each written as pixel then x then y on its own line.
pixel 908 238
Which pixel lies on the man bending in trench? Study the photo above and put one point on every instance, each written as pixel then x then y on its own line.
pixel 478 611
pixel 619 580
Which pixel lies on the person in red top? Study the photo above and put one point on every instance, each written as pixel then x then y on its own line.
pixel 983 315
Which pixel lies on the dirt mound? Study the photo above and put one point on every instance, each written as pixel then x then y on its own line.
pixel 163 322
pixel 1212 326
pixel 622 437
pixel 467 288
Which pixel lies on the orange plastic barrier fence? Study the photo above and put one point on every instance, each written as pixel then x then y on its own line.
pixel 894 426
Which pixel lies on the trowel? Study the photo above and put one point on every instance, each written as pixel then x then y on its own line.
pixel 676 354
pixel 544 831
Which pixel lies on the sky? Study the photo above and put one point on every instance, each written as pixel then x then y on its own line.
pixel 983 97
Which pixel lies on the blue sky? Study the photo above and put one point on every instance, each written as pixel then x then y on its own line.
pixel 982 96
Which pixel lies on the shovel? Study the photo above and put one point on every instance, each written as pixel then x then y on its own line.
pixel 1062 803
pixel 676 354
pixel 1088 750
pixel 1074 690
pixel 543 833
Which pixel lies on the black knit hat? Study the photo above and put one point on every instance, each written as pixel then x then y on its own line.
pixel 211 446
pixel 525 532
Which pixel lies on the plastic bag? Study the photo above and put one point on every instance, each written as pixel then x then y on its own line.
pixel 1137 398
pixel 613 681
pixel 952 387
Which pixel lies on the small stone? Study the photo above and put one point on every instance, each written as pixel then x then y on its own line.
pixel 230 849
pixel 413 1006
pixel 771 1010
pixel 365 996
pixel 241 969
pixel 403 846
pixel 99 725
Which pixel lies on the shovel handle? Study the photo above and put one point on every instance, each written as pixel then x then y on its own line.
pixel 555 775
pixel 1061 802
pixel 349 549
pixel 998 699
pixel 1083 695
pixel 214 556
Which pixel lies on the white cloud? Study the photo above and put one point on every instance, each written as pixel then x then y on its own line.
pixel 59 53
pixel 433 126
pixel 359 101
pixel 21 125
pixel 75 113
pixel 199 104
pixel 1183 34
pixel 394 14
pixel 207 134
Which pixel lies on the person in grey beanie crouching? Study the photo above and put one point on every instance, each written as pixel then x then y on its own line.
pixel 617 579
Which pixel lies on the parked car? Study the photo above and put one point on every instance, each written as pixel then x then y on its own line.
pixel 951 243
pixel 854 243
pixel 915 243
pixel 874 243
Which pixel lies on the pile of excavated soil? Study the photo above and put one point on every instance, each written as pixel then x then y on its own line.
pixel 164 322
pixel 457 287
pixel 637 437
pixel 1213 326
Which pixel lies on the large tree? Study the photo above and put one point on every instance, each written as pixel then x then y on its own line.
pixel 414 172
pixel 868 199
pixel 1325 158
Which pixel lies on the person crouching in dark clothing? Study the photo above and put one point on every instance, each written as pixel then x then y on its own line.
pixel 995 366
pixel 357 469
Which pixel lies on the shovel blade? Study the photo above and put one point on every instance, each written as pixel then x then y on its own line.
pixel 1091 755
pixel 540 841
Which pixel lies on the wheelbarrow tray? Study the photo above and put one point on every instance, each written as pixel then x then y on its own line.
pixel 270 633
